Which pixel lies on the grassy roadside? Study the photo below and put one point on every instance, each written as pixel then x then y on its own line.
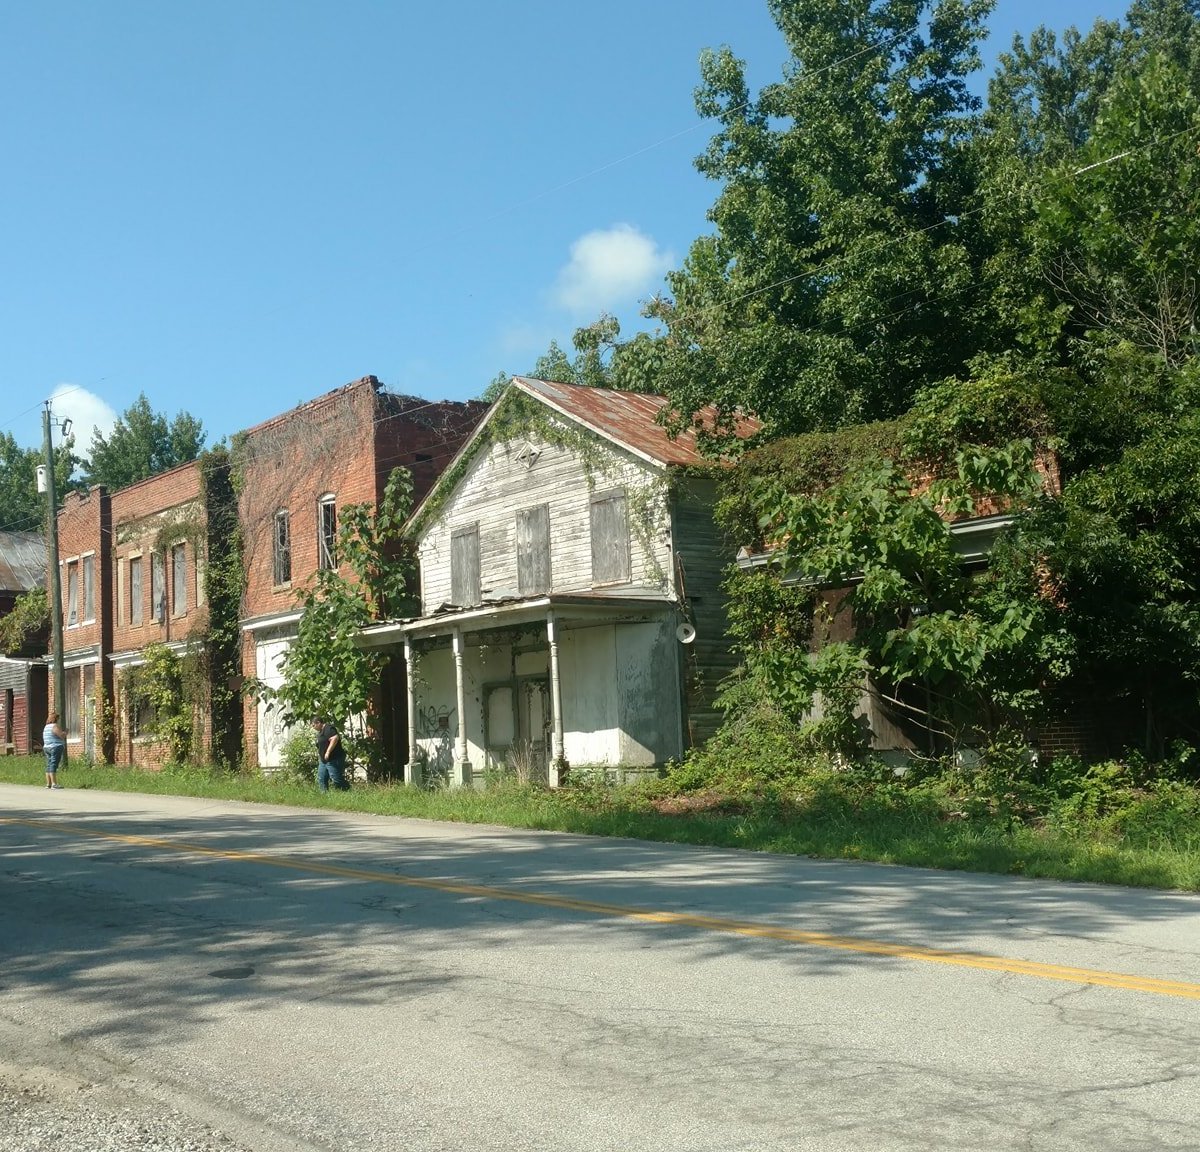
pixel 831 820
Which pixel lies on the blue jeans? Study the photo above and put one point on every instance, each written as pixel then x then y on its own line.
pixel 333 771
pixel 54 754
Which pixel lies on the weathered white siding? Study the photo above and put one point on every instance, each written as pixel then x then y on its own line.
pixel 499 484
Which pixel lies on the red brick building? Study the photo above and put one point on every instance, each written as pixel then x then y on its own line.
pixel 134 565
pixel 85 580
pixel 294 473
pixel 157 596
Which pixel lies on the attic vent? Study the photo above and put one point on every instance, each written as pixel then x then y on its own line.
pixel 528 454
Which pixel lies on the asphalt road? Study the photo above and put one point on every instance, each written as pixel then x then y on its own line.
pixel 294 979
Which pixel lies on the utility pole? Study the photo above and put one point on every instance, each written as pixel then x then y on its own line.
pixel 56 632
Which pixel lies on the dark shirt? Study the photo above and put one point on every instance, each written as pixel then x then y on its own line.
pixel 326 734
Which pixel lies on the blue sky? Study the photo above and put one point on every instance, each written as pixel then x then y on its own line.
pixel 238 205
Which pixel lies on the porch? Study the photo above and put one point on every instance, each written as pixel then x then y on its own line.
pixel 533 685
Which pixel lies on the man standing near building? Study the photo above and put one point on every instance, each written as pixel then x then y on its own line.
pixel 331 757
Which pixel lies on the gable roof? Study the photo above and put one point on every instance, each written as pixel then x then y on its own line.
pixel 626 419
pixel 629 419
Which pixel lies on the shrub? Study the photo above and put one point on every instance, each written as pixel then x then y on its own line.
pixel 298 758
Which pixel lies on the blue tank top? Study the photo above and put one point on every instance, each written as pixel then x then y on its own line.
pixel 50 738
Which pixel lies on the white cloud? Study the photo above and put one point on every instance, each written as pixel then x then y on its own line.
pixel 610 268
pixel 524 340
pixel 86 412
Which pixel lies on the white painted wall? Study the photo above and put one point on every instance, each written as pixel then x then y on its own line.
pixel 497 485
pixel 620 694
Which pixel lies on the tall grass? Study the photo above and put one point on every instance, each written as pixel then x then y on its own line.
pixel 1152 841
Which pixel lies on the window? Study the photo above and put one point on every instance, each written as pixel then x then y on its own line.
pixel 158 588
pixel 72 690
pixel 179 580
pixel 72 593
pixel 533 550
pixel 283 547
pixel 327 533
pixel 135 590
pixel 143 716
pixel 87 572
pixel 119 585
pixel 464 566
pixel 610 538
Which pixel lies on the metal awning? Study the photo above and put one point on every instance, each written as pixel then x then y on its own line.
pixel 594 608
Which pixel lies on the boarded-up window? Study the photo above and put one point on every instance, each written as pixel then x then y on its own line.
pixel 69 712
pixel 283 547
pixel 135 590
pixel 87 576
pixel 464 566
pixel 158 588
pixel 533 550
pixel 179 579
pixel 610 538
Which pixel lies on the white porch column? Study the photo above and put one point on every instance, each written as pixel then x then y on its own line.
pixel 462 766
pixel 413 770
pixel 558 762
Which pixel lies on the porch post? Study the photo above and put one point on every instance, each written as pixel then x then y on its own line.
pixel 413 772
pixel 462 766
pixel 558 762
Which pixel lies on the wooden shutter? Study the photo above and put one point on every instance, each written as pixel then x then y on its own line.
pixel 533 550
pixel 464 566
pixel 610 538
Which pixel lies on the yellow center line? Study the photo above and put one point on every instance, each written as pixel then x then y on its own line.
pixel 1125 981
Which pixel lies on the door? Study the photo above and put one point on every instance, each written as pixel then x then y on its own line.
pixel 534 723
pixel 272 732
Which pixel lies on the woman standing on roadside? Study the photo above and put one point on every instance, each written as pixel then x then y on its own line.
pixel 54 741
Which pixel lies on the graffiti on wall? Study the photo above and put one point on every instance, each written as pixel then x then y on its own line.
pixel 436 729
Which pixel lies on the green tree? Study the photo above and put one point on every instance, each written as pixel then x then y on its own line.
pixel 1122 546
pixel 602 360
pixel 142 444
pixel 22 507
pixel 1085 173
pixel 972 652
pixel 1124 233
pixel 25 630
pixel 839 277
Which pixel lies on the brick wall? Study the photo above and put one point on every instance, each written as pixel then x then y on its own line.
pixel 341 447
pixel 85 567
pixel 158 547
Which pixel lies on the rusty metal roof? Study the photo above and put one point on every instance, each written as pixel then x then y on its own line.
pixel 22 561
pixel 628 418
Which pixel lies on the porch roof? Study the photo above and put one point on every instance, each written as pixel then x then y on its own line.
pixel 513 612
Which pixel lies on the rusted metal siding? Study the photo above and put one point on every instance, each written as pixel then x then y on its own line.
pixel 628 418
pixel 22 561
